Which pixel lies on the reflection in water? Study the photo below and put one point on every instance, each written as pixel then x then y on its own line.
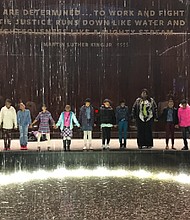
pixel 94 194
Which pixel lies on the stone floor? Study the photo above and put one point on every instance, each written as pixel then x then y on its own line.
pixel 77 144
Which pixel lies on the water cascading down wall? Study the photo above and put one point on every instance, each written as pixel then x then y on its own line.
pixel 58 51
pixel 62 51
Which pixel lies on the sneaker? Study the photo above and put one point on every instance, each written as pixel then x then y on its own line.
pixel 91 148
pixel 5 149
pixel 23 148
pixel 149 147
pixel 144 147
pixel 185 148
pixel 103 147
pixel 84 148
pixel 48 148
pixel 107 146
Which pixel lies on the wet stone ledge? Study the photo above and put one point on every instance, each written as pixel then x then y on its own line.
pixel 128 159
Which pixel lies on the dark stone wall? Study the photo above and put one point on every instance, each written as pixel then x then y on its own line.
pixel 34 71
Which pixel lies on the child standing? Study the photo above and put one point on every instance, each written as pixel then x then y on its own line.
pixel 184 121
pixel 86 119
pixel 24 120
pixel 170 117
pixel 8 122
pixel 107 120
pixel 65 122
pixel 122 116
pixel 44 117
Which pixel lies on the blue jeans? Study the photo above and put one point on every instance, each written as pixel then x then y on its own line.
pixel 23 135
pixel 123 126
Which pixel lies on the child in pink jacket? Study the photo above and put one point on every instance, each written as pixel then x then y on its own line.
pixel 184 121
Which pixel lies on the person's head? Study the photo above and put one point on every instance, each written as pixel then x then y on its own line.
pixel 44 108
pixel 67 108
pixel 87 102
pixel 144 94
pixel 170 103
pixel 22 106
pixel 122 103
pixel 8 103
pixel 107 103
pixel 184 103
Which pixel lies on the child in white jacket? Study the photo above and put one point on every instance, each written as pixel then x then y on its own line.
pixel 8 122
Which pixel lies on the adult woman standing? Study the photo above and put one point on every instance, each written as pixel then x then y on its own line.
pixel 144 110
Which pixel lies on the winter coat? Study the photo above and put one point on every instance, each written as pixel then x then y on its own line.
pixel 86 124
pixel 107 115
pixel 184 116
pixel 8 117
pixel 151 109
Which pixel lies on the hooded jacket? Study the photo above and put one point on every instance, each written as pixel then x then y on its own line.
pixel 184 116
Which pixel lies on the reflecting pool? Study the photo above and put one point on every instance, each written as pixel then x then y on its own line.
pixel 94 194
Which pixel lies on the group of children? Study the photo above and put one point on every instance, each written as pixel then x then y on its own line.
pixel 176 118
pixel 144 112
